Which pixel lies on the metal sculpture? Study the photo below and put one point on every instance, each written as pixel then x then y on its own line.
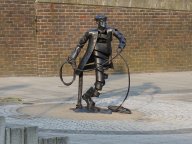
pixel 98 57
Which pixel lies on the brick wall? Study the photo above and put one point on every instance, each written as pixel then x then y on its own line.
pixel 157 40
pixel 17 38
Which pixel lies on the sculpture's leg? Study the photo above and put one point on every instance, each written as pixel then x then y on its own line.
pixel 100 76
pixel 99 83
pixel 80 88
pixel 93 92
pixel 87 97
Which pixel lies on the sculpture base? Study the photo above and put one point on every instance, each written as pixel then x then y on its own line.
pixel 120 109
pixel 95 110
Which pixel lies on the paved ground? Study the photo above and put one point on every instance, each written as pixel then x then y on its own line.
pixel 161 105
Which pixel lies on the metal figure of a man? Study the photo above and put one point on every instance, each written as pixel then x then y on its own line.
pixel 97 55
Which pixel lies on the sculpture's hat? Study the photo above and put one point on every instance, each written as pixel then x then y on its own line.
pixel 100 18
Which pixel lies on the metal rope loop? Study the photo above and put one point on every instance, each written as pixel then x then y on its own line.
pixel 61 75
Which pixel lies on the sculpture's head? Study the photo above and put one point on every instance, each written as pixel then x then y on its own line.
pixel 101 20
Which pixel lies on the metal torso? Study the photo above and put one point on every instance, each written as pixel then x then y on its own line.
pixel 98 44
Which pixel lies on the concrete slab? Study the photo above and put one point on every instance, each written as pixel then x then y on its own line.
pixel 160 102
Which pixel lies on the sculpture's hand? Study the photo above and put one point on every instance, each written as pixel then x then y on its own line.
pixel 119 50
pixel 72 62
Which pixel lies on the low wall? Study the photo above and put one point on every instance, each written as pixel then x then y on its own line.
pixel 149 4
pixel 14 134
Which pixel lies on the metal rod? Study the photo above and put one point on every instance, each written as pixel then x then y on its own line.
pixel 80 89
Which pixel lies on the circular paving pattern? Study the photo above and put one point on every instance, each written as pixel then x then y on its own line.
pixel 158 114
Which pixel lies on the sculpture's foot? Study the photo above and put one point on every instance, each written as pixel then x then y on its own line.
pixel 91 105
pixel 79 106
pixel 120 109
pixel 87 98
pixel 90 102
pixel 93 110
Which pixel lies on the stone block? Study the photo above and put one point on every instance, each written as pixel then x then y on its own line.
pixel 62 140
pixel 8 136
pixel 2 130
pixel 31 135
pixel 40 140
pixel 15 135
pixel 52 140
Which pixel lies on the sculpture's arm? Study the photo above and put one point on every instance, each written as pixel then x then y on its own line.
pixel 121 38
pixel 80 45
